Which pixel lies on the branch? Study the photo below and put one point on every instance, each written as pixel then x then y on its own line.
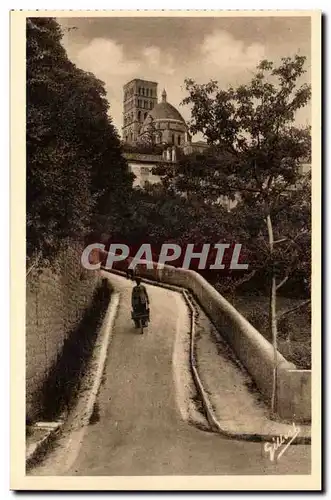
pixel 281 283
pixel 270 233
pixel 271 178
pixel 232 286
pixel 34 264
pixel 250 190
pixel 280 241
pixel 245 278
pixel 293 240
pixel 259 183
pixel 292 309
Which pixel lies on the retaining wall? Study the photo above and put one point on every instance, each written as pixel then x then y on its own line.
pixel 294 395
pixel 55 304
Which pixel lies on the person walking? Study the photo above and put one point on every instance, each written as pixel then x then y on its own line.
pixel 140 300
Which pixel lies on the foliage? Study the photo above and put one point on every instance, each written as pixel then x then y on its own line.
pixel 257 151
pixel 150 135
pixel 293 333
pixel 255 158
pixel 75 170
pixel 155 216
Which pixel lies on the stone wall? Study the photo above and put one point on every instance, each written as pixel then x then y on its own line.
pixel 294 395
pixel 143 173
pixel 55 304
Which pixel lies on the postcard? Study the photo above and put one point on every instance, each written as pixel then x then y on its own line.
pixel 166 250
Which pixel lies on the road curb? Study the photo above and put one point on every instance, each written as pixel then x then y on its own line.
pixel 36 450
pixel 212 420
pixel 83 409
pixel 105 333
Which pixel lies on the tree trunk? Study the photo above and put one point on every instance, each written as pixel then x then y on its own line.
pixel 272 316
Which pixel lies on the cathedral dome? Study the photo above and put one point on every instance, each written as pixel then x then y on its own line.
pixel 164 125
pixel 164 111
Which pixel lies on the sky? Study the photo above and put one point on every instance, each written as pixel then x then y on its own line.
pixel 168 50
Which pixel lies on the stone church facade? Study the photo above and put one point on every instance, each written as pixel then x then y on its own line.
pixel 149 122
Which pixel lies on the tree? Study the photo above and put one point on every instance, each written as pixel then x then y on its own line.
pixel 255 157
pixel 76 173
pixel 149 134
pixel 155 216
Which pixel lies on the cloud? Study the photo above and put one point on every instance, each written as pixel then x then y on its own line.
pixel 219 56
pixel 158 61
pixel 104 57
pixel 152 55
pixel 221 49
pixel 108 61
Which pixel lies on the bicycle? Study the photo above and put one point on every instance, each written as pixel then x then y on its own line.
pixel 140 319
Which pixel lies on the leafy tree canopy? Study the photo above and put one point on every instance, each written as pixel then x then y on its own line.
pixel 75 169
pixel 255 157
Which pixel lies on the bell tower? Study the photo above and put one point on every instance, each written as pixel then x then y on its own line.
pixel 139 97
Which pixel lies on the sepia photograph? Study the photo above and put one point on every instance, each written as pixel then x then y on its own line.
pixel 166 211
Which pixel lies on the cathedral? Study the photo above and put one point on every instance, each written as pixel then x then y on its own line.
pixel 144 116
pixel 154 132
pixel 149 122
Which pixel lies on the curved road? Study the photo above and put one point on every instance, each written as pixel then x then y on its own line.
pixel 140 430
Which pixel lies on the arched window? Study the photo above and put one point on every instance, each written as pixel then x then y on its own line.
pixel 178 140
pixel 173 138
pixel 145 116
pixel 139 116
pixel 139 90
pixel 143 91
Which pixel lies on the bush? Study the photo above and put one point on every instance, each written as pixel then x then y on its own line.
pixel 259 318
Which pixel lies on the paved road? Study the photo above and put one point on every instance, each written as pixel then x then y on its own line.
pixel 140 430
